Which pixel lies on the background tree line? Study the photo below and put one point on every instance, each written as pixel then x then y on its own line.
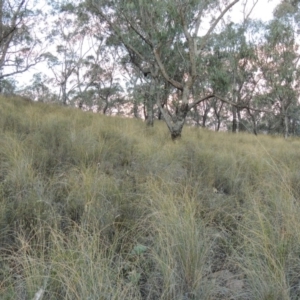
pixel 154 60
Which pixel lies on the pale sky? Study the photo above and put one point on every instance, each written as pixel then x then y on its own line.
pixel 263 9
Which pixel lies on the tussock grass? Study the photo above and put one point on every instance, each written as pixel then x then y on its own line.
pixel 95 207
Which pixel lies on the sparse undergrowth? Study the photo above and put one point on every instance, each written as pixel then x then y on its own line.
pixel 96 207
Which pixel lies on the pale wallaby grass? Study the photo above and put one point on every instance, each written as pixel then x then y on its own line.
pixel 96 207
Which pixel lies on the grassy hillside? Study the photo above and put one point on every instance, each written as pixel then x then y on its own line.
pixel 95 207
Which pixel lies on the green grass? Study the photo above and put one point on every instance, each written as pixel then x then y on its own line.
pixel 95 207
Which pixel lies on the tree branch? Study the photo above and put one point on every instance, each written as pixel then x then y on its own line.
pixel 192 52
pixel 138 33
pixel 198 20
pixel 173 82
pixel 116 31
pixel 213 26
pixel 237 105
pixel 200 100
pixel 19 71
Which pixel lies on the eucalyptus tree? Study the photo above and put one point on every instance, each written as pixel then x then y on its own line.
pixel 98 79
pixel 140 88
pixel 84 69
pixel 279 66
pixel 141 93
pixel 20 47
pixel 68 55
pixel 8 86
pixel 218 107
pixel 38 89
pixel 162 38
pixel 232 70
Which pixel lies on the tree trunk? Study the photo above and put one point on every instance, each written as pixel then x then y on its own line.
pixel 218 124
pixel 163 102
pixel 253 121
pixel 104 110
pixel 218 115
pixel 204 119
pixel 176 123
pixel 234 120
pixel 148 112
pixel 64 93
pixel 144 108
pixel 286 126
pixel 135 109
pixel 159 115
pixel 254 124
pixel 241 125
pixel 254 127
pixel 149 104
pixel 197 116
pixel 293 128
pixel 284 122
pixel 149 107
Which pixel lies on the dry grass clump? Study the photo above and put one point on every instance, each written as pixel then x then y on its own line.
pixel 180 247
pixel 95 207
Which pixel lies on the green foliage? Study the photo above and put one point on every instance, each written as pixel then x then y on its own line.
pixel 94 206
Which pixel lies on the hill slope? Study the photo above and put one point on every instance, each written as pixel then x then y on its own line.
pixel 95 207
